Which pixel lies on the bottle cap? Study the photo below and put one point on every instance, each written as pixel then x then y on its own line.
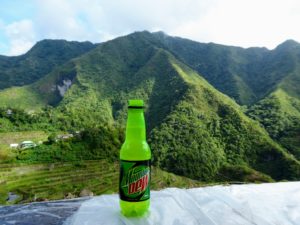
pixel 135 104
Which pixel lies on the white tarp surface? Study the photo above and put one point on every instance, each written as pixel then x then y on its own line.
pixel 261 204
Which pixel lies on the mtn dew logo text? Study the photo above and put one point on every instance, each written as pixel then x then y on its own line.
pixel 135 180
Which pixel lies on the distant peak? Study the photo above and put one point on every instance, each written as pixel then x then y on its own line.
pixel 290 41
pixel 288 44
pixel 160 33
pixel 60 41
pixel 54 44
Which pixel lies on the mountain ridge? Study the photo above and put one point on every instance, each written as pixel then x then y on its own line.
pixel 43 57
pixel 190 119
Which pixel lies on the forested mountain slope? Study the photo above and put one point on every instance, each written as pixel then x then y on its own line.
pixel 194 130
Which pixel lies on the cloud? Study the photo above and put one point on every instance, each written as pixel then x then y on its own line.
pixel 57 19
pixel 231 22
pixel 246 23
pixel 1 24
pixel 21 36
pixel 101 20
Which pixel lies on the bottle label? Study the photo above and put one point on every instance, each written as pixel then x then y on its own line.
pixel 134 180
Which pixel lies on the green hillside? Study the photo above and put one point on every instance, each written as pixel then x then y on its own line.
pixel 279 112
pixel 269 79
pixel 40 182
pixel 42 93
pixel 247 75
pixel 40 60
pixel 7 138
pixel 24 97
pixel 280 115
pixel 207 130
pixel 194 130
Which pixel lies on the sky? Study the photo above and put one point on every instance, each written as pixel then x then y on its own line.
pixel 245 23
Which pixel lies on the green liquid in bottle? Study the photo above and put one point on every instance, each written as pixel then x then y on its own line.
pixel 135 157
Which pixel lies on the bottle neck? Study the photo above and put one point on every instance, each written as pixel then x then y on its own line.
pixel 135 128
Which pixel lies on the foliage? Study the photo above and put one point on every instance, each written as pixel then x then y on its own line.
pixel 241 173
pixel 205 132
pixel 50 181
pixel 279 113
pixel 246 75
pixel 194 130
pixel 6 155
pixel 93 143
pixel 184 146
pixel 39 61
pixel 3 194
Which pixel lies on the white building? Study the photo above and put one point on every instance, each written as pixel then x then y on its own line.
pixel 14 145
pixel 27 144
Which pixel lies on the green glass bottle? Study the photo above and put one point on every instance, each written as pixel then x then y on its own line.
pixel 135 157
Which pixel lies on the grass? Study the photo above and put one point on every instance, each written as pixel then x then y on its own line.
pixel 8 138
pixel 40 182
pixel 280 115
pixel 21 97
pixel 289 105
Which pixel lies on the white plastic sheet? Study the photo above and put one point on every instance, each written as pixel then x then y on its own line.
pixel 261 204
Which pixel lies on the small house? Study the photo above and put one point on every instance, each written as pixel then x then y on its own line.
pixel 14 145
pixel 9 112
pixel 64 136
pixel 27 144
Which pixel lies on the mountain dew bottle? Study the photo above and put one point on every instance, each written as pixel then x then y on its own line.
pixel 135 156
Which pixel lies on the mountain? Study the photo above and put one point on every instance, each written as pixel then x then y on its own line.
pixel 247 75
pixel 279 111
pixel 40 60
pixel 266 80
pixel 194 129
